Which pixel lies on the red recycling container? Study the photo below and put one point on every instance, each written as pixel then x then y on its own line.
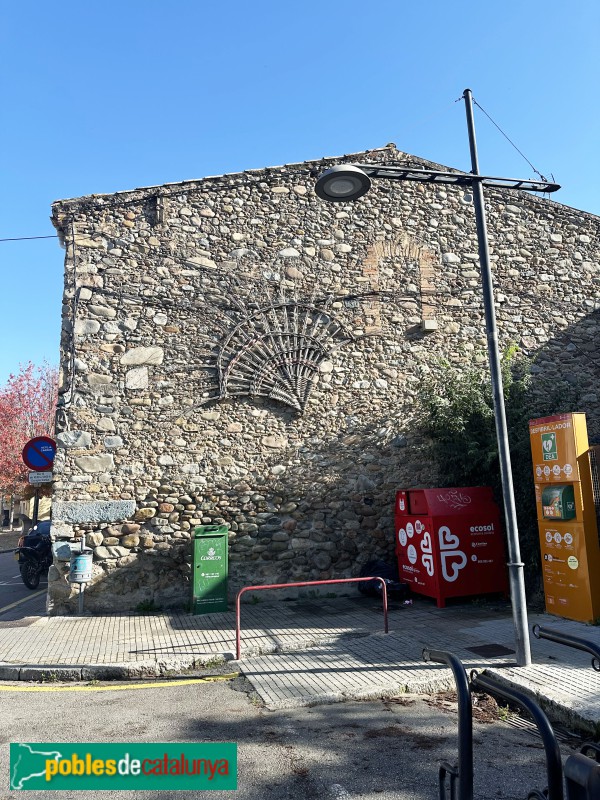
pixel 449 542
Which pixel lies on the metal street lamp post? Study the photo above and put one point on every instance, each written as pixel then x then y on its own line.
pixel 348 182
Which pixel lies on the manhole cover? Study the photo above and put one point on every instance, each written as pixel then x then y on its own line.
pixel 491 650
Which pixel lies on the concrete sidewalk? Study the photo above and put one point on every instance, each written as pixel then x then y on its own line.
pixel 312 651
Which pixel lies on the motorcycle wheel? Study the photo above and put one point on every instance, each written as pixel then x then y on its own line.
pixel 30 573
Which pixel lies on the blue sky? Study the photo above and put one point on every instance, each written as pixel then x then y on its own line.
pixel 107 97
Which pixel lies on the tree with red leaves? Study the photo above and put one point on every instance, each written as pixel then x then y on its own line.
pixel 27 409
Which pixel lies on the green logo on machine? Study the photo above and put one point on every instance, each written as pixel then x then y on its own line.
pixel 549 446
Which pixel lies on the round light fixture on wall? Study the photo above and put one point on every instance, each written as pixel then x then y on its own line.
pixel 343 184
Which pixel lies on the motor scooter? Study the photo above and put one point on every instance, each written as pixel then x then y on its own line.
pixel 34 554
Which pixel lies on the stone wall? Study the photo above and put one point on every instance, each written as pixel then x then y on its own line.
pixel 236 351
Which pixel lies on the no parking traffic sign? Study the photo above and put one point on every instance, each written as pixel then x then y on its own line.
pixel 38 454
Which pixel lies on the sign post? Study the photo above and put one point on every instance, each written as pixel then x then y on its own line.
pixel 38 454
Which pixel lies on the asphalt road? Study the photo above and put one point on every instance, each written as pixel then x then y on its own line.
pixel 379 750
pixel 16 600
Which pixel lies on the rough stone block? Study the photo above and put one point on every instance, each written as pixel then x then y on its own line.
pixel 143 355
pixel 103 311
pixel 95 511
pixel 74 439
pixel 105 424
pixel 137 378
pixel 116 551
pixel 84 327
pixel 92 464
pixel 130 527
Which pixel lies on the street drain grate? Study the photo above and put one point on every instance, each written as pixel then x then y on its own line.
pixel 491 650
pixel 562 734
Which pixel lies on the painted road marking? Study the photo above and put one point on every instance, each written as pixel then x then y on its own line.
pixel 119 687
pixel 23 600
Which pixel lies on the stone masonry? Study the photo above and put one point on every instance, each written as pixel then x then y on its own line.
pixel 236 351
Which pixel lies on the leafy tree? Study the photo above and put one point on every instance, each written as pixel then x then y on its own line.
pixel 27 409
pixel 456 414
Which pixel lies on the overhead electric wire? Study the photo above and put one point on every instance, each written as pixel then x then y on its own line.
pixel 23 238
pixel 508 139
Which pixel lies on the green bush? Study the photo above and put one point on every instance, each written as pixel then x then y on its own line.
pixel 455 413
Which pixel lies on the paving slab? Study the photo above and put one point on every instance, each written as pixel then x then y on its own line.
pixel 311 652
pixel 560 678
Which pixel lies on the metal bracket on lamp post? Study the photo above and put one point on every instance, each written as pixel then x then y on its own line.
pixel 348 182
pixel 422 175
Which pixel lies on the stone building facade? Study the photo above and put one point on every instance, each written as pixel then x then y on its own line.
pixel 236 351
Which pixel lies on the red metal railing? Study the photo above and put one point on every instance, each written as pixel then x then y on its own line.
pixel 238 632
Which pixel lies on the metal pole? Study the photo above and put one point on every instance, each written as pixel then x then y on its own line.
pixel 81 585
pixel 515 565
pixel 36 506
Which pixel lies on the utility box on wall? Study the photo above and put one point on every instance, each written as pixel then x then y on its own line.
pixel 566 516
pixel 449 542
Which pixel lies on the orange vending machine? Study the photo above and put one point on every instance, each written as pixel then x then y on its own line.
pixel 566 515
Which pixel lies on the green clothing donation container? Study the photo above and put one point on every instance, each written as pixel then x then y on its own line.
pixel 209 569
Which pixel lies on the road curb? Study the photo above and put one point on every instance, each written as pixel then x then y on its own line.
pixel 149 668
pixel 131 670
pixel 180 668
pixel 554 709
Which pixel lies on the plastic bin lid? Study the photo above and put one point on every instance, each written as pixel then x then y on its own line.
pixel 206 530
pixel 448 501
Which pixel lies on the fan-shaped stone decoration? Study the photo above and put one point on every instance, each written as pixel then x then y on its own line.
pixel 276 352
pixel 265 338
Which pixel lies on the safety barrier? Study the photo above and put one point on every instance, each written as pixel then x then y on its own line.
pixel 581 772
pixel 493 686
pixel 552 635
pixel 461 773
pixel 238 636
